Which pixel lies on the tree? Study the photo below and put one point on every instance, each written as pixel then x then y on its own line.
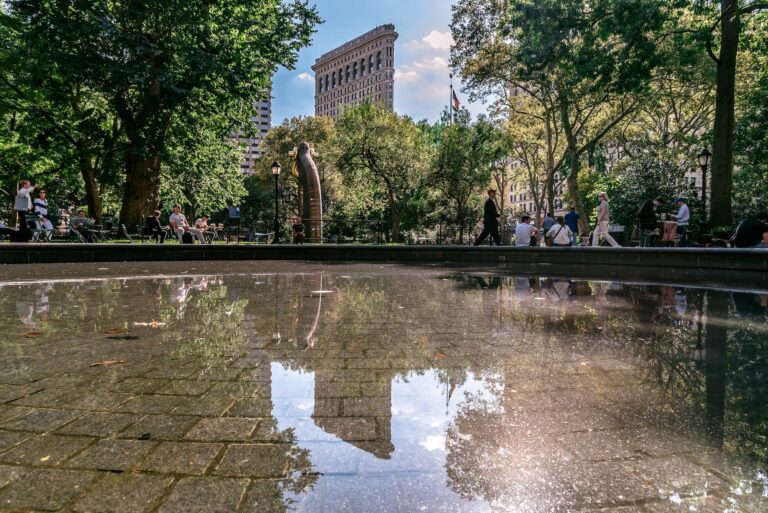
pixel 382 149
pixel 730 23
pixel 583 64
pixel 463 164
pixel 202 171
pixel 42 84
pixel 150 61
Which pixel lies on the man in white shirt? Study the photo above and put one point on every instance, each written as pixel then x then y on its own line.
pixel 178 222
pixel 560 234
pixel 603 222
pixel 23 204
pixel 524 231
pixel 683 218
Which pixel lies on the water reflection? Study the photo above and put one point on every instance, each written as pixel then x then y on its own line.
pixel 453 393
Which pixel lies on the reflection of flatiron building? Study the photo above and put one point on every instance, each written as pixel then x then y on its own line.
pixel 360 413
pixel 360 70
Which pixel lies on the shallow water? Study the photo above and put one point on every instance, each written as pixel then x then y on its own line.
pixel 394 392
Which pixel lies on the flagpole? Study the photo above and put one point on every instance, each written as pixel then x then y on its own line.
pixel 450 101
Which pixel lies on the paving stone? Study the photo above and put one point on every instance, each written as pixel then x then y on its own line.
pixel 256 461
pixel 42 420
pixel 8 412
pixel 185 387
pixel 138 385
pixel 112 455
pixel 10 438
pixel 205 495
pixel 251 408
pixel 151 404
pixel 102 401
pixel 161 427
pixel 99 424
pixel 205 406
pixel 265 496
pixel 181 458
pixel 9 474
pixel 45 450
pixel 43 489
pixel 170 372
pixel 10 393
pixel 123 493
pixel 222 429
pixel 237 389
pixel 49 398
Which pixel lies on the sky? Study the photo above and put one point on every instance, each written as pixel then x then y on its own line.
pixel 421 55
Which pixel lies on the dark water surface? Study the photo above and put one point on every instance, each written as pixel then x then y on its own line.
pixel 402 391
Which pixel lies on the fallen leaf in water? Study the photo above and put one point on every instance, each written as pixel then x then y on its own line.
pixel 440 355
pixel 115 331
pixel 33 334
pixel 145 436
pixel 107 363
pixel 45 458
pixel 153 324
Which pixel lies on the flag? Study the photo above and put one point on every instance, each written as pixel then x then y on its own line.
pixel 456 102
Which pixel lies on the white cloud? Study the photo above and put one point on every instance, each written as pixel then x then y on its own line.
pixel 405 76
pixel 306 77
pixel 433 63
pixel 438 40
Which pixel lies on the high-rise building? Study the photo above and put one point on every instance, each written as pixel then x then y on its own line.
pixel 262 122
pixel 360 70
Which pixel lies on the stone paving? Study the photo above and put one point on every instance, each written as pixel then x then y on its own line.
pixel 553 400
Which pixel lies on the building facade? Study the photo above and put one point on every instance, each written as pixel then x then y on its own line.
pixel 361 70
pixel 262 122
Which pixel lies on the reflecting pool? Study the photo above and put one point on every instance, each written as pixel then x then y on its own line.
pixel 393 390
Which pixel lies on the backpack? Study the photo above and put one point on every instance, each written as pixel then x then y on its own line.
pixel 187 238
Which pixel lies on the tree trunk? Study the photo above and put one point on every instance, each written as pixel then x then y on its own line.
pixel 92 196
pixel 573 172
pixel 141 194
pixel 722 149
pixel 395 227
pixel 573 191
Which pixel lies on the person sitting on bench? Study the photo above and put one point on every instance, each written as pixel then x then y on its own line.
pixel 180 225
pixel 154 229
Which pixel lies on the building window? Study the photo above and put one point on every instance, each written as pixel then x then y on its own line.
pixel 354 71
pixel 347 76
pixel 378 61
pixel 362 68
pixel 370 63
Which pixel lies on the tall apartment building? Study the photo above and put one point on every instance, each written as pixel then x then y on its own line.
pixel 360 70
pixel 262 122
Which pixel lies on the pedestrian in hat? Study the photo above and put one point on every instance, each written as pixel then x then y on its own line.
pixel 490 221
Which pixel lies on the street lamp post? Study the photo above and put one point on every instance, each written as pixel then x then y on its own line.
pixel 276 173
pixel 705 157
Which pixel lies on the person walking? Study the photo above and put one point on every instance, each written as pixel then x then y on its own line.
pixel 560 234
pixel 23 206
pixel 572 221
pixel 683 217
pixel 525 232
pixel 603 221
pixel 490 221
